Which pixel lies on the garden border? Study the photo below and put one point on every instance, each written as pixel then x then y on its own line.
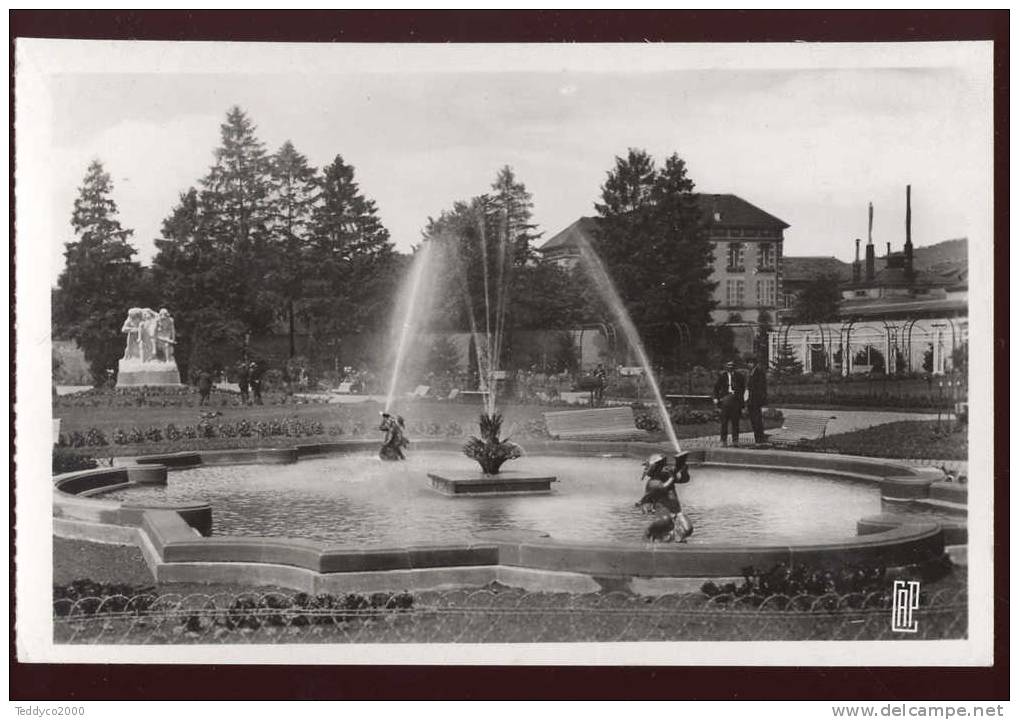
pixel 176 543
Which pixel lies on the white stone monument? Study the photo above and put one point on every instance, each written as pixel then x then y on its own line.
pixel 148 357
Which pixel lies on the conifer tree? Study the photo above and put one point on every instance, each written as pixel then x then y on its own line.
pixel 652 240
pixel 293 192
pixel 351 254
pixel 100 281
pixel 236 211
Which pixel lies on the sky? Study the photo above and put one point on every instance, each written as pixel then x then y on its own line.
pixel 810 145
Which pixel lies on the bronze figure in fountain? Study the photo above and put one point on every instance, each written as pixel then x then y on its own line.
pixel 394 441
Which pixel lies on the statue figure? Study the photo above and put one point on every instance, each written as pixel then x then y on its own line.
pixel 133 327
pixel 166 336
pixel 147 339
pixel 148 354
pixel 394 441
pixel 670 524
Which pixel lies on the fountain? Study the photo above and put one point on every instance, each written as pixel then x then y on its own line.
pixel 322 517
pixel 489 450
pixel 596 270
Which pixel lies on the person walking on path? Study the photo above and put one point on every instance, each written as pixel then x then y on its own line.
pixel 757 398
pixel 729 389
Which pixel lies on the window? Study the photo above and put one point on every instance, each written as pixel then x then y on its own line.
pixel 734 293
pixel 789 300
pixel 766 256
pixel 735 257
pixel 766 292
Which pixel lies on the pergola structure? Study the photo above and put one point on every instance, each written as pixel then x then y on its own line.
pixel 885 345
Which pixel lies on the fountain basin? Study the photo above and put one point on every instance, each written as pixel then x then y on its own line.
pixel 507 482
pixel 568 557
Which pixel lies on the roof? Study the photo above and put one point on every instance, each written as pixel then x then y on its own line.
pixel 806 268
pixel 896 277
pixel 584 228
pixel 886 307
pixel 732 211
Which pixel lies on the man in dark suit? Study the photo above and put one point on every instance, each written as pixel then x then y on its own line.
pixel 729 389
pixel 757 398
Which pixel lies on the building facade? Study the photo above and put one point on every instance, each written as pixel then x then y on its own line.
pixel 747 262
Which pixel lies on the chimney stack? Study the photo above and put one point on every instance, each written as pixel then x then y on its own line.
pixel 870 242
pixel 856 263
pixel 909 236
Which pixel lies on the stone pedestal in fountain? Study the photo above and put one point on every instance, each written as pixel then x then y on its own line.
pixel 507 482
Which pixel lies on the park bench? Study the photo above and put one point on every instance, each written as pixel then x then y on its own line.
pixel 344 388
pixel 800 427
pixel 453 394
pixel 421 391
pixel 691 400
pixel 615 423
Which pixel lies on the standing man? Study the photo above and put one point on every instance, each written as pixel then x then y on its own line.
pixel 255 375
pixel 243 379
pixel 599 390
pixel 729 389
pixel 757 398
pixel 204 386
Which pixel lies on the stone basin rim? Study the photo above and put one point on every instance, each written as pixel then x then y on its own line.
pixel 177 534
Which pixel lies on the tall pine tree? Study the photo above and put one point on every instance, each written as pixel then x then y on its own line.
pixel 293 192
pixel 236 211
pixel 653 242
pixel 351 255
pixel 100 281
pixel 191 272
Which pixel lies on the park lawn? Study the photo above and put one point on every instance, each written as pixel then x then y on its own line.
pixel 912 439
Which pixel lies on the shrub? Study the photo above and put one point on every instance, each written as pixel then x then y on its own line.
pixel 65 461
pixel 453 430
pixel 790 581
pixel 88 597
pixel 95 438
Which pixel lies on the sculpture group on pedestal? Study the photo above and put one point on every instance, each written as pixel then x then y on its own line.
pixel 149 352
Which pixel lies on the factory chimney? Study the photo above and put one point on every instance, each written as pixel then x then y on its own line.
pixel 856 263
pixel 909 237
pixel 870 243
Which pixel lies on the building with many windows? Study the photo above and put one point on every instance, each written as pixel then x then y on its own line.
pixel 747 265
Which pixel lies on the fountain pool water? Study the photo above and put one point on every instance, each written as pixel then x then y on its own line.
pixel 356 500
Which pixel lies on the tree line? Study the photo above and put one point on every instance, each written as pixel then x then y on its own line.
pixel 266 241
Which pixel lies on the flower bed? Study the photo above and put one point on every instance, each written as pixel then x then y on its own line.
pixel 648 418
pixel 185 396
